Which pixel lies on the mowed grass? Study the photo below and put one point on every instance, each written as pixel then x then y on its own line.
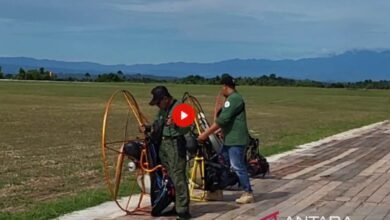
pixel 50 132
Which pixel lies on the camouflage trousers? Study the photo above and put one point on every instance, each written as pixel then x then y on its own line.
pixel 173 157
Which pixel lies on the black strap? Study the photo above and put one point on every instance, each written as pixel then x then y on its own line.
pixel 165 116
pixel 170 107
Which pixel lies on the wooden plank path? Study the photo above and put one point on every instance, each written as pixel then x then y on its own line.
pixel 344 177
pixel 349 177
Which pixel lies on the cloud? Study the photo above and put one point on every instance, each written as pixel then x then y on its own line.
pixel 176 6
pixel 206 29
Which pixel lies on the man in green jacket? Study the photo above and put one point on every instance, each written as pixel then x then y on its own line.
pixel 172 150
pixel 232 121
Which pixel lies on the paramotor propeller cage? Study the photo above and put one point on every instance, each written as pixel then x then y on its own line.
pixel 197 177
pixel 113 151
pixel 201 122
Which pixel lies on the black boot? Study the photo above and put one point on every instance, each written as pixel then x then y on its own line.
pixel 183 216
pixel 171 212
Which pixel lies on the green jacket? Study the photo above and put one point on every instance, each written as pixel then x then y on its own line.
pixel 233 123
pixel 172 130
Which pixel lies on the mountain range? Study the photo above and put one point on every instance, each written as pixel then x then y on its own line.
pixel 350 66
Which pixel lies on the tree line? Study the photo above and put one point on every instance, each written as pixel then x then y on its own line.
pixel 273 80
pixel 265 80
pixel 32 74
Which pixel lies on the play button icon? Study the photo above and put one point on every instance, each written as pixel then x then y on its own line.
pixel 183 115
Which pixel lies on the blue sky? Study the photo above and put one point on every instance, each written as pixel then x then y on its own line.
pixel 158 31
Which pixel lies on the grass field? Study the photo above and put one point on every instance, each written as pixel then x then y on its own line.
pixel 50 134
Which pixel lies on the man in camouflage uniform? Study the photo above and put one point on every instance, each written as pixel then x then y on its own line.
pixel 232 121
pixel 172 150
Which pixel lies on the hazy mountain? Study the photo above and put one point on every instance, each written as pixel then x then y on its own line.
pixel 350 66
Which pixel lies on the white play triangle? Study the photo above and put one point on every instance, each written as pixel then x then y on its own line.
pixel 183 115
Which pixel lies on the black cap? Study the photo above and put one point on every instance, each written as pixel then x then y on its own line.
pixel 228 81
pixel 159 92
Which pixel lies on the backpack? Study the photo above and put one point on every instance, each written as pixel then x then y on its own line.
pixel 256 163
pixel 218 175
pixel 162 190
